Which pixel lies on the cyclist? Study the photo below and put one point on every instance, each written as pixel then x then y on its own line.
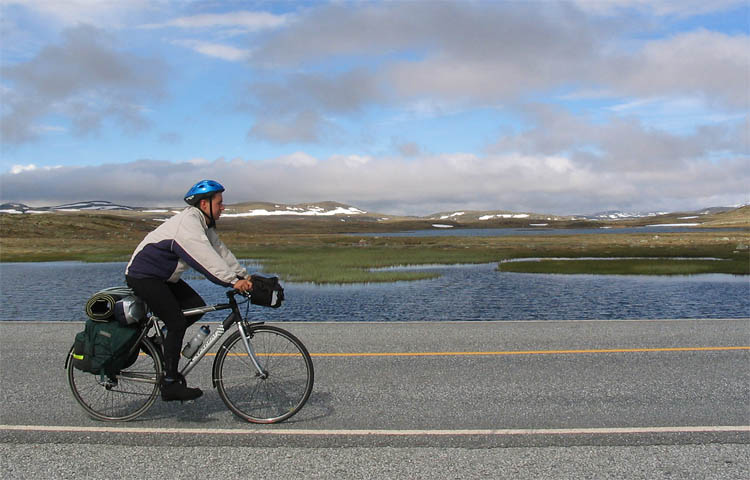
pixel 188 239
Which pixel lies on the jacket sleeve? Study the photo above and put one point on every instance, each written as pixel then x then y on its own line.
pixel 226 254
pixel 192 244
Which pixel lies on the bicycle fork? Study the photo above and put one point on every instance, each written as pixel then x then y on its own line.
pixel 262 373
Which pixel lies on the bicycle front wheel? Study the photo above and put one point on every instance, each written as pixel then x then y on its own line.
pixel 124 397
pixel 273 394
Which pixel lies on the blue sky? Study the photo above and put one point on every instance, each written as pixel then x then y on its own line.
pixel 398 107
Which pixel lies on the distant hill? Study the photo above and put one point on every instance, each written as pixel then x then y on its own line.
pixel 470 216
pixel 277 212
pixel 68 207
pixel 247 209
pixel 618 215
pixel 265 209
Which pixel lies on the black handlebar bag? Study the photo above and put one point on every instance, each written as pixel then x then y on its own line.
pixel 266 292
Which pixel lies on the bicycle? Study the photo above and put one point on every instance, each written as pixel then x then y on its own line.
pixel 262 373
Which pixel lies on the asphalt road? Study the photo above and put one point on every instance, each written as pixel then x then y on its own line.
pixel 588 399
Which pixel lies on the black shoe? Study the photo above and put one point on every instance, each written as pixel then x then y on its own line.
pixel 177 390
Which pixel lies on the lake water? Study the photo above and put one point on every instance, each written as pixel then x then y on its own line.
pixel 58 291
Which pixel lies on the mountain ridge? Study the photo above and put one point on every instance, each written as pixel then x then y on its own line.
pixel 334 209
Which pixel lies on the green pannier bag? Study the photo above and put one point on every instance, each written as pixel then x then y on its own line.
pixel 105 348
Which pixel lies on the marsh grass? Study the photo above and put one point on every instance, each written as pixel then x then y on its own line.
pixel 354 264
pixel 348 258
pixel 626 266
pixel 341 261
pixel 53 250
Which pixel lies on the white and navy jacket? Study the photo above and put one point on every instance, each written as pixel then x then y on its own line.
pixel 182 242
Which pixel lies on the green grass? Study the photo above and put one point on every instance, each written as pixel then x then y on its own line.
pixel 355 264
pixel 627 266
pixel 338 263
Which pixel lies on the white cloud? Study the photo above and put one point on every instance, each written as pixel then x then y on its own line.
pixel 422 185
pixel 680 8
pixel 298 159
pixel 559 165
pixel 92 12
pixel 352 161
pixel 709 65
pixel 199 161
pixel 306 126
pixel 466 55
pixel 86 79
pixel 16 169
pixel 675 114
pixel 217 50
pixel 248 21
pixel 621 144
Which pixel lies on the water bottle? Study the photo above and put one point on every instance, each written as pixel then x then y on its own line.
pixel 194 344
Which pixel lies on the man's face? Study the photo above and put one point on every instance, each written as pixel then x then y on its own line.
pixel 215 206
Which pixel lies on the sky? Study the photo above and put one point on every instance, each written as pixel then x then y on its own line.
pixel 401 107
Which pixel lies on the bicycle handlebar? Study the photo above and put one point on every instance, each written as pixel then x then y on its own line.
pixel 233 291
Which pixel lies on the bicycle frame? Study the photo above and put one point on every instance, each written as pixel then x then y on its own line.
pixel 234 317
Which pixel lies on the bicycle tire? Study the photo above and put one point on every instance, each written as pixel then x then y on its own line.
pixel 133 391
pixel 255 398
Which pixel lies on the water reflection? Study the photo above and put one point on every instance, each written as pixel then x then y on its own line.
pixel 59 290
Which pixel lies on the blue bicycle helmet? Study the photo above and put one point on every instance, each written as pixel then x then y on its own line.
pixel 201 190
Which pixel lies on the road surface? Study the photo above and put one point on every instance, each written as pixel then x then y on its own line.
pixel 541 399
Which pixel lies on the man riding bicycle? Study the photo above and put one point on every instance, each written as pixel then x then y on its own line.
pixel 186 240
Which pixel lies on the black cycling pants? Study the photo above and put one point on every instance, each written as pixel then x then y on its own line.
pixel 167 300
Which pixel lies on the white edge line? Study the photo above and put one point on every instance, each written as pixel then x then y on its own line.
pixel 405 433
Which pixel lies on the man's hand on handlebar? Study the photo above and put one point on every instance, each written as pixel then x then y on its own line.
pixel 243 285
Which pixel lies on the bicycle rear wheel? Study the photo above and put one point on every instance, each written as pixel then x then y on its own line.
pixel 125 397
pixel 276 394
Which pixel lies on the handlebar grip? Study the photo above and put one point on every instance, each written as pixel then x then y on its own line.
pixel 232 292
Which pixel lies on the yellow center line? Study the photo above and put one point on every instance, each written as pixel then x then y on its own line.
pixel 530 352
pixel 499 353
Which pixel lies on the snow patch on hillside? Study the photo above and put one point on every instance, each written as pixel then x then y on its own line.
pixel 309 211
pixel 504 215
